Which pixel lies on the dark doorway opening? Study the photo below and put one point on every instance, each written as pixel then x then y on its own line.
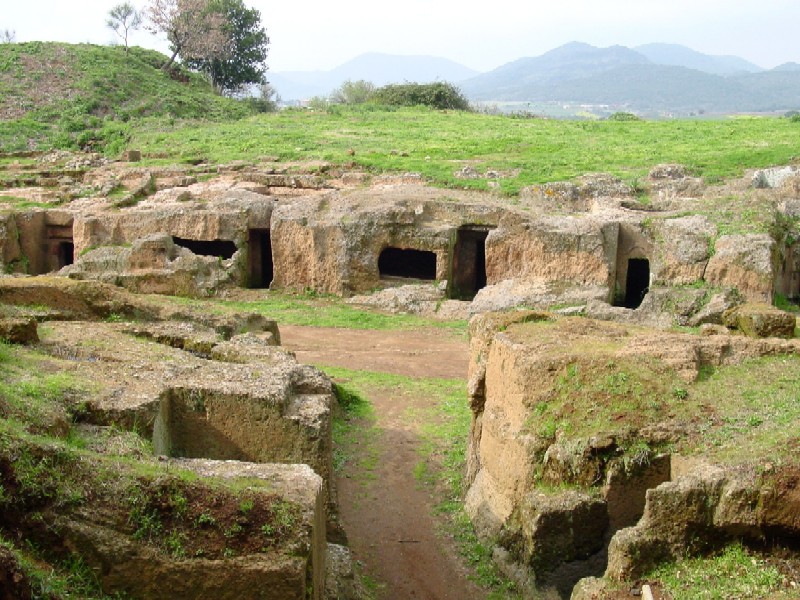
pixel 60 250
pixel 637 282
pixel 66 254
pixel 469 263
pixel 260 258
pixel 407 264
pixel 218 248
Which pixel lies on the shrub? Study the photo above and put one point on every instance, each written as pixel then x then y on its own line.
pixel 353 92
pixel 623 116
pixel 438 95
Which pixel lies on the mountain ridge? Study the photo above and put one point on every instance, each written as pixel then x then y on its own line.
pixel 672 79
pixel 650 78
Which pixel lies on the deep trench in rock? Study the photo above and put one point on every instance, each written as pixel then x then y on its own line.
pixel 625 497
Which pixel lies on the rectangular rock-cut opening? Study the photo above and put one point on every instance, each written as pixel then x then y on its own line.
pixel 224 249
pixel 61 248
pixel 66 254
pixel 637 282
pixel 260 266
pixel 407 263
pixel 182 429
pixel 468 274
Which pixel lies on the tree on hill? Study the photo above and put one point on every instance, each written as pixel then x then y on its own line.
pixel 244 61
pixel 122 19
pixel 194 28
pixel 8 36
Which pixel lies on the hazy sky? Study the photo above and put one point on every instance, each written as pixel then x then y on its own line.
pixel 322 34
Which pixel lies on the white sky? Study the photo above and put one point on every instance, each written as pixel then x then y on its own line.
pixel 484 34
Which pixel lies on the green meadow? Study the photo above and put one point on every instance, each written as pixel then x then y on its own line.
pixel 437 144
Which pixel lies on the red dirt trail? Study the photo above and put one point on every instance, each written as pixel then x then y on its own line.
pixel 389 521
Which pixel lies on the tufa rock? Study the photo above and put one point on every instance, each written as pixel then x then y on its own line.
pixel 667 171
pixel 772 178
pixel 746 262
pixel 131 156
pixel 19 330
pixel 760 320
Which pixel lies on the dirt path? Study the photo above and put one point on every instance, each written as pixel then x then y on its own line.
pixel 417 353
pixel 389 521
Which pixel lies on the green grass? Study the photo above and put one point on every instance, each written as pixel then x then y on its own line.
pixel 323 311
pixel 71 577
pixel 81 95
pixel 760 418
pixel 733 574
pixel 355 437
pixel 596 391
pixel 40 400
pixel 438 144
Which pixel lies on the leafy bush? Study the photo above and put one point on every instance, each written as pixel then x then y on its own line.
pixel 438 95
pixel 623 116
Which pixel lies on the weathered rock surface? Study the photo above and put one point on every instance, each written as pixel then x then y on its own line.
pixel 560 235
pixel 557 249
pixel 332 243
pixel 341 582
pixel 512 293
pixel 773 178
pixel 19 330
pixel 523 365
pixel 746 262
pixel 712 311
pixel 703 508
pixel 131 567
pixel 761 320
pixel 684 249
pixel 153 265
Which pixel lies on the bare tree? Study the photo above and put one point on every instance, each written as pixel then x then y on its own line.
pixel 123 19
pixel 8 36
pixel 193 27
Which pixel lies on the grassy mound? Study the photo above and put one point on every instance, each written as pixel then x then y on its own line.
pixel 508 152
pixel 85 96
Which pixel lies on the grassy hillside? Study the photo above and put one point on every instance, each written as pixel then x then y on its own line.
pixel 62 95
pixel 521 151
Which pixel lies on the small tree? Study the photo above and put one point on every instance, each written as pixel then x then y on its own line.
pixel 8 36
pixel 194 29
pixel 244 62
pixel 267 99
pixel 353 92
pixel 122 19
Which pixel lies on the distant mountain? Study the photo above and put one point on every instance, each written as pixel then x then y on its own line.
pixel 571 61
pixel 380 69
pixel 789 66
pixel 620 77
pixel 680 56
